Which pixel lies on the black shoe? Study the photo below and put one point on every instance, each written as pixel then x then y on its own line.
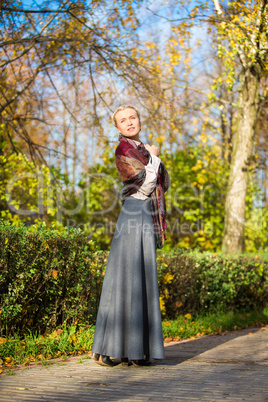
pixel 141 362
pixel 105 361
pixel 124 361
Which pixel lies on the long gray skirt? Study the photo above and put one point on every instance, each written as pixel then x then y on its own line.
pixel 129 319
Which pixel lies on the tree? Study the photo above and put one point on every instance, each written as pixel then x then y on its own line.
pixel 241 37
pixel 42 46
pixel 242 32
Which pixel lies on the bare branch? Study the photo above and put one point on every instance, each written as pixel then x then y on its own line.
pixel 42 11
pixel 33 41
pixel 36 39
pixel 15 58
pixel 18 93
pixel 11 140
pixel 55 88
pixel 217 99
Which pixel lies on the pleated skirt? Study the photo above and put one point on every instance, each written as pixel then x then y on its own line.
pixel 129 318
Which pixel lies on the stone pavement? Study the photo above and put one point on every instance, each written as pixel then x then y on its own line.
pixel 231 367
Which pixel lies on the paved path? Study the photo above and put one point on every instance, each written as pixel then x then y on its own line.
pixel 232 367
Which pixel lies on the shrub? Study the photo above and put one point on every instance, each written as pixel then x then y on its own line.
pixel 199 283
pixel 47 278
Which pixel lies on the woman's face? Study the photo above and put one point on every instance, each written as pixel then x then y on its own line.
pixel 128 123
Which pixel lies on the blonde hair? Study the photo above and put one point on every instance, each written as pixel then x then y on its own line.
pixel 123 107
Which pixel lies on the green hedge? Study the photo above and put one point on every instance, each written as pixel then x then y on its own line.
pixel 200 283
pixel 48 279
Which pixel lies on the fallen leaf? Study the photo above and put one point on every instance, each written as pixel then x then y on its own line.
pixel 168 339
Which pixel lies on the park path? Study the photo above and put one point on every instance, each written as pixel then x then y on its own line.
pixel 230 367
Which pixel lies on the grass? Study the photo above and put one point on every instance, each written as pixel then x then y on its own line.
pixel 39 348
pixel 185 327
pixel 78 340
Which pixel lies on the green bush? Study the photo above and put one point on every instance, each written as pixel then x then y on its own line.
pixel 49 279
pixel 200 283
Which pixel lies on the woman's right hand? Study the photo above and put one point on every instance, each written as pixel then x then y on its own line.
pixel 152 149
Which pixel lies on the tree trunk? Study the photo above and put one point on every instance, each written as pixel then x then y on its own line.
pixel 265 179
pixel 235 204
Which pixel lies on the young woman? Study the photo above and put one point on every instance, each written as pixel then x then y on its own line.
pixel 129 320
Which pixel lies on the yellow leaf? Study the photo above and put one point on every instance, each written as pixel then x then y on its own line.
pixel 162 305
pixel 188 316
pixel 72 338
pixel 168 278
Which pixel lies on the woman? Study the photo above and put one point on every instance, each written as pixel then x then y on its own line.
pixel 129 320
